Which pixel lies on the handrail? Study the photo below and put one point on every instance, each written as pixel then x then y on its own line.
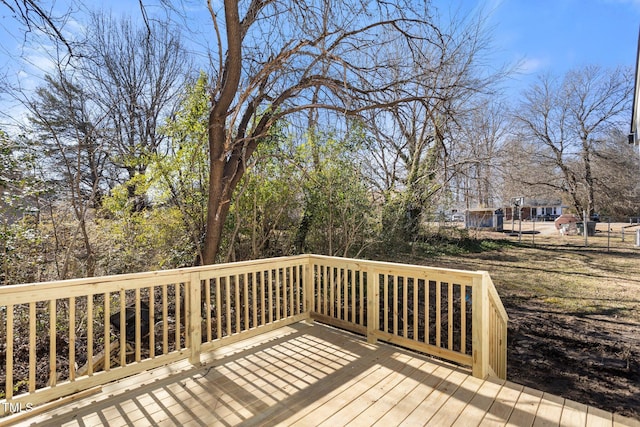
pixel 171 315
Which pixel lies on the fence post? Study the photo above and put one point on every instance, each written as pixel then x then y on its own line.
pixel 373 304
pixel 480 328
pixel 194 316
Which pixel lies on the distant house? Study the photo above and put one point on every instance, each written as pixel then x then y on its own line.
pixel 535 209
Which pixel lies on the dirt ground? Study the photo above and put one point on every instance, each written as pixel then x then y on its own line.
pixel 589 359
pixel 574 327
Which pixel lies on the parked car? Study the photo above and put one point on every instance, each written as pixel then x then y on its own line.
pixel 457 217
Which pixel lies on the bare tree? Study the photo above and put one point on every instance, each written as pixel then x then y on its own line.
pixel 414 140
pixel 37 16
pixel 135 75
pixel 568 120
pixel 274 59
pixel 475 163
pixel 70 133
pixel 615 170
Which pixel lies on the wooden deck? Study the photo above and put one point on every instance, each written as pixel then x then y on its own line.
pixel 309 374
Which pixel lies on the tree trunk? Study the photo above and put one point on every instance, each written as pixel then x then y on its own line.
pixel 222 179
pixel 219 196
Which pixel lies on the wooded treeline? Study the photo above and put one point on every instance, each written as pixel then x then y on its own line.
pixel 341 128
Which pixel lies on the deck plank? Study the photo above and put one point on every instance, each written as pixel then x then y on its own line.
pixel 503 406
pixel 574 414
pixel 309 374
pixel 525 409
pixel 435 400
pixel 598 418
pixel 413 399
pixel 397 394
pixel 449 413
pixel 549 411
pixel 480 403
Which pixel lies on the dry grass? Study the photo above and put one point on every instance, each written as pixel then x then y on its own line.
pixel 561 272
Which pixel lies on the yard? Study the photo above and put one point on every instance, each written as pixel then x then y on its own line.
pixel 574 327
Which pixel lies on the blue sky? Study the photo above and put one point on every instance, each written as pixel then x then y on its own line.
pixel 542 35
pixel 557 35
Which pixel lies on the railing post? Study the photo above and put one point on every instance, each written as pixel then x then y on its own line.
pixel 480 327
pixel 308 289
pixel 194 316
pixel 373 304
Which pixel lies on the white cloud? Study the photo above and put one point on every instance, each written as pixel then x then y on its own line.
pixel 532 65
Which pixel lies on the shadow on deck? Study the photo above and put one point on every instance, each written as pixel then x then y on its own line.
pixel 310 374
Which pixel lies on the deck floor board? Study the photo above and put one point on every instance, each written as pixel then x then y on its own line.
pixel 309 374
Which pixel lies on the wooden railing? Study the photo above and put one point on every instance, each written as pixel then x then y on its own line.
pixel 79 334
pixel 453 314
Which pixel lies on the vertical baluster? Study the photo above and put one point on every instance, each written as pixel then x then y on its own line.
pixel 245 278
pixel 32 347
pixel 254 296
pixel 8 392
pixel 285 300
pixel 52 343
pixel 270 293
pixel 325 289
pixel 218 309
pixel 184 312
pixel 107 331
pixel 450 316
pixel 427 311
pixel 438 312
pixel 299 287
pixel 493 337
pixel 207 298
pixel 343 273
pixel 263 289
pixel 123 328
pixel 90 334
pixel 277 285
pixel 339 294
pixel 405 311
pixel 463 319
pixel 385 287
pixel 237 305
pixel 227 296
pixel 361 288
pixel 394 282
pixel 345 293
pixel 316 277
pixel 257 300
pixel 72 339
pixel 351 312
pixel 416 308
pixel 138 322
pixel 152 322
pixel 292 291
pixel 179 298
pixel 165 319
pixel 331 283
